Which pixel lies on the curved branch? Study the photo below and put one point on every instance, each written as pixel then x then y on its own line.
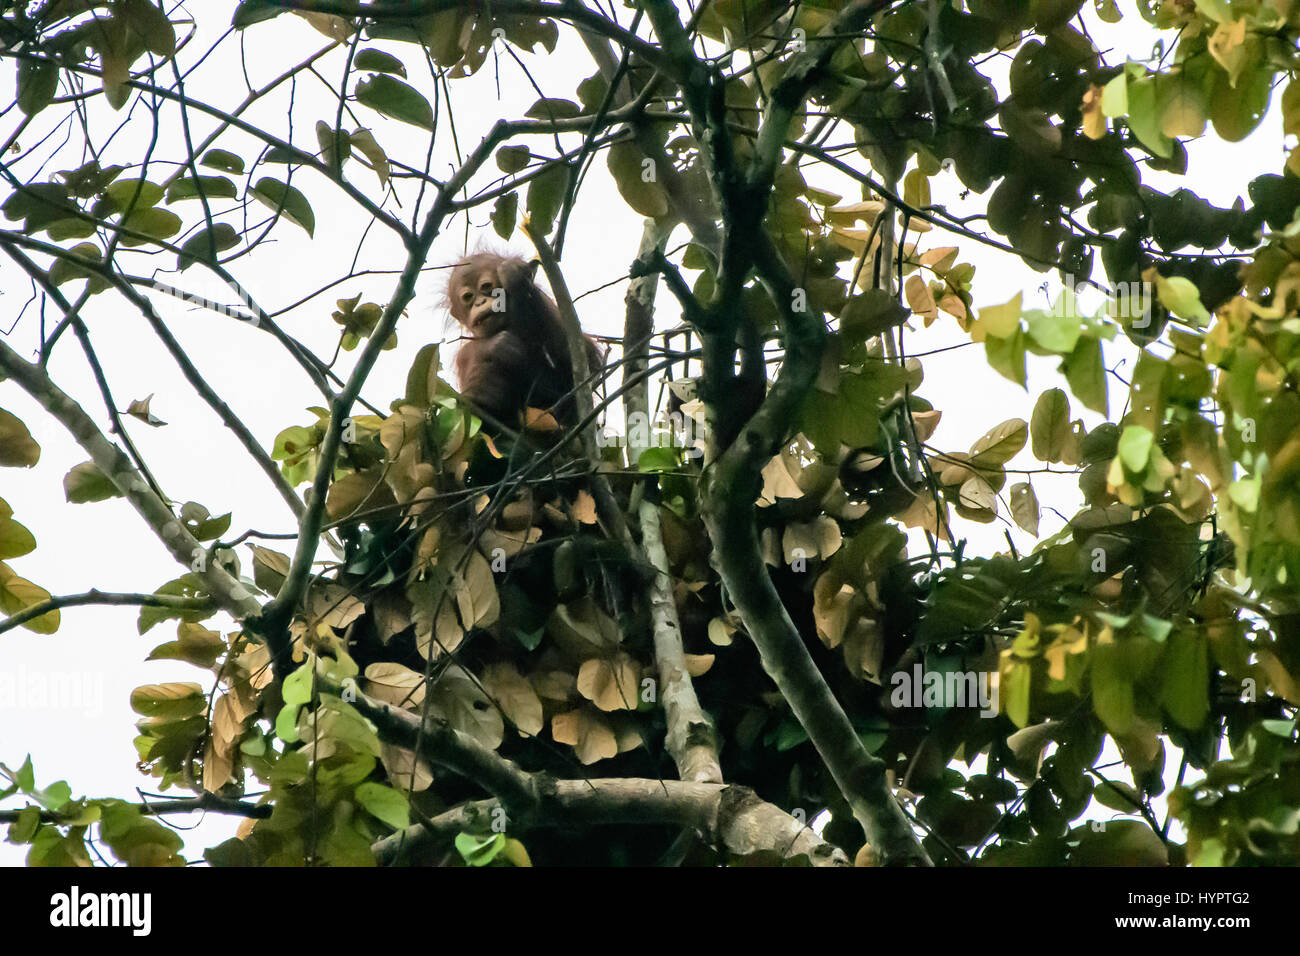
pixel 94 596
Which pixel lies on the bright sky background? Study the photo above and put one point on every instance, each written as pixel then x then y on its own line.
pixel 106 545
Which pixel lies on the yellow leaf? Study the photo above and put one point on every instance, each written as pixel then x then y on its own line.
pixel 587 732
pixel 998 321
pixel 920 299
pixel 1094 120
pixel 515 696
pixel 1227 46
pixel 584 507
pixel 610 683
pixel 698 664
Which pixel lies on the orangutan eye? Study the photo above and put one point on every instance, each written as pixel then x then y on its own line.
pixel 486 287
pixel 467 296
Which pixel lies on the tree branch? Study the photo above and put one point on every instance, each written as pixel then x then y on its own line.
pixel 690 738
pixel 732 817
pixel 94 596
pixel 227 592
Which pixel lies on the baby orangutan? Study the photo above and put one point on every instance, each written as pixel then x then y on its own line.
pixel 517 356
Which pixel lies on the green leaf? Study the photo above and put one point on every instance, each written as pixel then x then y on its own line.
pixel 297 686
pixel 1049 426
pixel 1135 444
pixel 54 796
pixel 1107 11
pixel 232 852
pixel 187 585
pixel 1086 374
pixel 531 640
pixel 505 213
pixel 38 81
pixel 24 828
pixel 1000 321
pixel 1118 795
pixel 511 159
pixel 151 25
pixel 1121 843
pixel 286 155
pixel 15 539
pixel 1114 97
pixel 1184 689
pixel 1056 330
pixel 1112 691
pixel 1145 114
pixel 1019 682
pixel 17 447
pixel 286 723
pixel 172 702
pixel 18 594
pixel 545 197
pixel 1181 297
pixel 214 187
pixel 1024 507
pixel 1217 10
pixel 396 99
pixel 637 179
pixel 224 160
pixel 287 200
pixel 870 314
pixel 377 61
pixel 133 194
pixel 150 224
pixel 916 190
pixel 384 803
pixel 66 270
pixel 1244 493
pixel 1236 110
pixel 659 458
pixel 1007 356
pixel 479 850
pixel 550 108
pixel 201 246
pixel 85 483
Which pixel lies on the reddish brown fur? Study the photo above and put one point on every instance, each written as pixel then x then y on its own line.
pixel 517 355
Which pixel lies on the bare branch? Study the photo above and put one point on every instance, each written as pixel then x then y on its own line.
pixel 94 596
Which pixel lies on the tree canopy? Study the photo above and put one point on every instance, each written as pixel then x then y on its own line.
pixel 748 610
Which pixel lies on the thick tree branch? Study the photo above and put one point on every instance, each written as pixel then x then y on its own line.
pixel 730 817
pixel 731 490
pixel 227 592
pixel 690 738
pixel 750 428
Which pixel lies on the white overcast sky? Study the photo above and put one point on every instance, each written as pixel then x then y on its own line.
pixel 106 546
